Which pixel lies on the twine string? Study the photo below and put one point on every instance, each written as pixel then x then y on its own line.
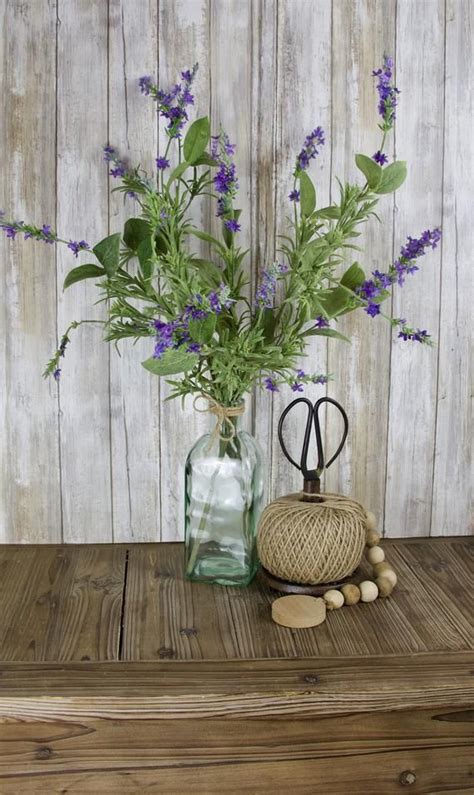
pixel 223 415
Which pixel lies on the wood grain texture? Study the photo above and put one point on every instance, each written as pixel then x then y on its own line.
pixel 102 458
pixel 82 201
pixel 304 89
pixel 30 503
pixel 133 603
pixel 183 41
pixel 413 382
pixel 250 755
pixel 362 32
pixel 61 603
pixel 454 418
pixel 135 404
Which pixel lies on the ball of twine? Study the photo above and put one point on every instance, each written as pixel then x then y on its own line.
pixel 312 542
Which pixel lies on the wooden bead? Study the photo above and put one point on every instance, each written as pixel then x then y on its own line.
pixel 298 611
pixel 384 585
pixel 351 594
pixel 375 555
pixel 368 591
pixel 333 599
pixel 370 520
pixel 372 538
pixel 384 570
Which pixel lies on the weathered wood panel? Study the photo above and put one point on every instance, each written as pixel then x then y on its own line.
pixel 183 41
pixel 82 210
pixel 452 481
pixel 304 102
pixel 30 506
pixel 362 32
pixel 265 756
pixel 101 458
pixel 135 404
pixel 413 373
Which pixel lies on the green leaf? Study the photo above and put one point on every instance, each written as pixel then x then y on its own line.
pixel 172 361
pixel 335 302
pixel 208 271
pixel 393 176
pixel 196 140
pixel 353 277
pixel 307 194
pixel 269 323
pixel 202 330
pixel 326 332
pixel 332 213
pixel 371 170
pixel 145 257
pixel 178 171
pixel 206 160
pixel 204 236
pixel 83 272
pixel 108 253
pixel 134 231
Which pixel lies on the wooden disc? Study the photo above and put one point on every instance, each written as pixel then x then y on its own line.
pixel 298 611
pixel 297 588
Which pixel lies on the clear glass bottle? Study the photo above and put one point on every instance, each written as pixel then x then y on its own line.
pixel 223 500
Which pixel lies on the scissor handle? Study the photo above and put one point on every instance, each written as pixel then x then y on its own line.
pixel 304 453
pixel 321 462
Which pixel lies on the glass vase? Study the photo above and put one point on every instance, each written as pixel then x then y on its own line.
pixel 223 500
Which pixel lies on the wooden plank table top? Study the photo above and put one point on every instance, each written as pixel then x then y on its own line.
pixel 116 672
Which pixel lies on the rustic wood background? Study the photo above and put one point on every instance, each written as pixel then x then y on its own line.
pixel 100 457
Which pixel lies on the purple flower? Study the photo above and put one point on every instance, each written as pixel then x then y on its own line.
pixel 162 163
pixel 57 373
pixel 294 196
pixel 194 347
pixel 383 279
pixel 270 384
pixel 267 288
pixel 109 153
pixel 146 84
pixel 387 92
pixel 372 309
pixel 410 334
pixel 300 374
pixel 10 231
pixel 380 158
pixel 319 379
pixel 310 150
pixel 297 387
pixel 118 171
pixel 225 181
pixel 232 225
pixel 321 322
pixel 119 166
pixel 172 103
pixel 77 246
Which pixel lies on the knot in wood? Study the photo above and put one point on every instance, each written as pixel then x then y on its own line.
pixel 165 653
pixel 311 679
pixel 189 632
pixel 44 752
pixel 407 778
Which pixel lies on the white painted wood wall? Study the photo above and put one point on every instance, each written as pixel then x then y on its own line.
pixel 100 458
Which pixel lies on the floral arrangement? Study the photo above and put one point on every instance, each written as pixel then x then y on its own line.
pixel 202 324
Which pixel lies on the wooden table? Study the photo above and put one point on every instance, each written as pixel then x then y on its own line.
pixel 117 675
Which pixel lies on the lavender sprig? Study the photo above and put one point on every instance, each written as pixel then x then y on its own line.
pixel 44 234
pixel 225 181
pixel 267 288
pixel 310 149
pixel 387 93
pixel 172 104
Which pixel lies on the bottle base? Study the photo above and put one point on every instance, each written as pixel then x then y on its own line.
pixel 221 570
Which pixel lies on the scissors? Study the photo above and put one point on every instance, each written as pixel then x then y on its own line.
pixel 312 476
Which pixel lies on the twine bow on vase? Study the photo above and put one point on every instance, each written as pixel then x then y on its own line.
pixel 223 415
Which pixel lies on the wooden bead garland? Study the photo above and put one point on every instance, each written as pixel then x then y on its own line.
pixel 366 591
